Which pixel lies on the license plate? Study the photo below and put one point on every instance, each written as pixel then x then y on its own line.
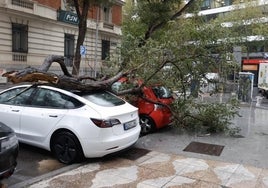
pixel 130 124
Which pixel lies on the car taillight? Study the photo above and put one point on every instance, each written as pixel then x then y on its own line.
pixel 105 123
pixel 8 142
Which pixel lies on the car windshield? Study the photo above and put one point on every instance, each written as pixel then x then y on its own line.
pixel 116 86
pixel 16 96
pixel 104 99
pixel 162 92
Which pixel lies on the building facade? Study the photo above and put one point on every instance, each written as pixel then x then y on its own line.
pixel 30 30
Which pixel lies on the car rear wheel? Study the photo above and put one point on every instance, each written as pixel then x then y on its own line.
pixel 67 148
pixel 147 124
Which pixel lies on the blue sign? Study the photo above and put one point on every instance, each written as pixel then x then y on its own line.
pixel 83 50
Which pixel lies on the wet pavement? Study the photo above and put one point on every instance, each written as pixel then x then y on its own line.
pixel 159 170
pixel 241 162
pixel 248 147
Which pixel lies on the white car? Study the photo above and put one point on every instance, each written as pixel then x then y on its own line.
pixel 71 125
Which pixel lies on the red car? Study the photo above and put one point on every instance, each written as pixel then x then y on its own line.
pixel 153 105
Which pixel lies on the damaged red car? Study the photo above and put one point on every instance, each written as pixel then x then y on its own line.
pixel 153 104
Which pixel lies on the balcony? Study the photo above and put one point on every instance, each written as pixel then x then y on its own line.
pixel 19 57
pixel 23 3
pixel 107 25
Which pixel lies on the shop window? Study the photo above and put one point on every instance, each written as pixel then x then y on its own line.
pixel 105 49
pixel 69 49
pixel 19 38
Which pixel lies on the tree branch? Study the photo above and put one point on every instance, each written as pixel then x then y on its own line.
pixel 155 27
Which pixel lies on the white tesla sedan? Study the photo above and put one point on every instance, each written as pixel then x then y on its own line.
pixel 71 125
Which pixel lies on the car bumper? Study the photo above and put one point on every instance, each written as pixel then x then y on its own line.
pixel 161 118
pixel 102 147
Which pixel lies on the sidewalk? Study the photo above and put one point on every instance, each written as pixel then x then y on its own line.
pixel 159 170
pixel 243 162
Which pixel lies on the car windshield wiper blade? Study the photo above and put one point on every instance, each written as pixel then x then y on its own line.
pixel 24 90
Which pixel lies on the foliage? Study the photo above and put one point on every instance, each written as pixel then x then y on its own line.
pixel 250 28
pixel 183 50
pixel 206 117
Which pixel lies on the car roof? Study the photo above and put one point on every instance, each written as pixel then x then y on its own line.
pixel 77 92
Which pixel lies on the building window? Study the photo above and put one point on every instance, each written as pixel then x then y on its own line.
pixel 228 2
pixel 19 38
pixel 68 5
pixel 69 49
pixel 221 3
pixel 206 4
pixel 105 49
pixel 106 14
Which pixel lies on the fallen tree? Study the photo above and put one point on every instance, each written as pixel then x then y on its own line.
pixel 65 81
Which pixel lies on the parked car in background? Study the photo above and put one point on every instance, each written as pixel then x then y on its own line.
pixel 153 105
pixel 72 125
pixel 8 151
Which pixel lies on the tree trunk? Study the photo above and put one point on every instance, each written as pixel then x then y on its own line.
pixel 65 81
pixel 81 33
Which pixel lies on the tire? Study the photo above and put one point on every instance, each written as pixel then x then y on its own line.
pixel 147 124
pixel 66 148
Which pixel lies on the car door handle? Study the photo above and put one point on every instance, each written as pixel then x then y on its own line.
pixel 15 110
pixel 54 116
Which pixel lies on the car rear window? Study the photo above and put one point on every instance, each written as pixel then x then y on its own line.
pixel 162 92
pixel 104 99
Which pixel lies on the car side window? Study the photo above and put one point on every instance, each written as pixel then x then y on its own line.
pixel 52 99
pixel 17 96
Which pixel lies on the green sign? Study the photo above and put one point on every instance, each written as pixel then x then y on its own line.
pixel 68 17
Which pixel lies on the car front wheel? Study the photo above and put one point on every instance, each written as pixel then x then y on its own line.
pixel 67 148
pixel 147 124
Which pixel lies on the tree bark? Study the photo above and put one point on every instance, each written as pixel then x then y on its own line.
pixel 65 81
pixel 82 29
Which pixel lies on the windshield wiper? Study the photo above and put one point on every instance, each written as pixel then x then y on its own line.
pixel 24 90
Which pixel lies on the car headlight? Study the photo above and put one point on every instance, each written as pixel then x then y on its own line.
pixel 8 142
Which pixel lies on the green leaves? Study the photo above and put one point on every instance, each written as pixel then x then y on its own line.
pixel 177 51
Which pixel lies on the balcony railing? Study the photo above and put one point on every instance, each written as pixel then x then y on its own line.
pixel 108 25
pixel 23 3
pixel 19 57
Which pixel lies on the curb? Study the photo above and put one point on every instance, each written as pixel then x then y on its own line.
pixel 46 176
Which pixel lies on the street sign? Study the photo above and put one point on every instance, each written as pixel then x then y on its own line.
pixel 83 50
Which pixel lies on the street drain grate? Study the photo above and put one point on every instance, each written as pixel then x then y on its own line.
pixel 134 153
pixel 204 148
